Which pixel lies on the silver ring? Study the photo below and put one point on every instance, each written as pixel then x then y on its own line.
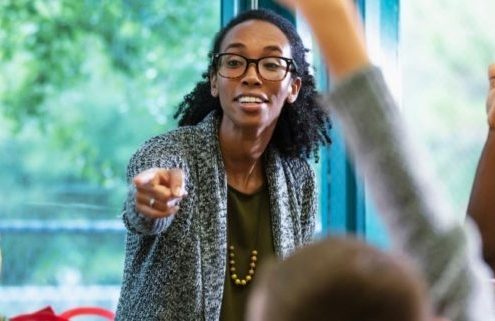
pixel 151 202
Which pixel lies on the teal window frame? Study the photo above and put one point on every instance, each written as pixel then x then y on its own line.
pixel 344 205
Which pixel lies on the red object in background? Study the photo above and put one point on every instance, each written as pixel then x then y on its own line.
pixel 47 314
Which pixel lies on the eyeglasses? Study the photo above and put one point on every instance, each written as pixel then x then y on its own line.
pixel 269 68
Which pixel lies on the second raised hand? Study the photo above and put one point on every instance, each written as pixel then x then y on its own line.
pixel 490 102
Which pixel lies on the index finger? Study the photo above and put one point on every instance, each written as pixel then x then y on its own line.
pixel 147 177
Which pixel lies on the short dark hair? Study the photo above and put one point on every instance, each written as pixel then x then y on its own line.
pixel 341 279
pixel 302 126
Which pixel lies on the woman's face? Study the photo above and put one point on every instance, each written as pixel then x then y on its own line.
pixel 251 101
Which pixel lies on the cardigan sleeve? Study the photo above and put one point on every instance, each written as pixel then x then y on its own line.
pixel 309 206
pixel 161 151
pixel 409 199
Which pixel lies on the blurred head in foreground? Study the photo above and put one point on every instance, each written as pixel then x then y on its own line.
pixel 340 279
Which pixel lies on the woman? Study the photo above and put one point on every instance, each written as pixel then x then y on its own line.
pixel 246 130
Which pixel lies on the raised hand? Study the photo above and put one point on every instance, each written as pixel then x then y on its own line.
pixel 289 4
pixel 337 28
pixel 159 191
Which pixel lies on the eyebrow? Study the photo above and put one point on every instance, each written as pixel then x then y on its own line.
pixel 238 45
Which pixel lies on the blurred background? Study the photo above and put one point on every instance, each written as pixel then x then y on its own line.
pixel 445 49
pixel 84 82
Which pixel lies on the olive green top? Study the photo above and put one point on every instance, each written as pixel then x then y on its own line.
pixel 249 228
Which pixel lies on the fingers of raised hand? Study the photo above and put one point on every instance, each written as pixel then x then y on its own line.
pixel 491 75
pixel 490 101
pixel 290 4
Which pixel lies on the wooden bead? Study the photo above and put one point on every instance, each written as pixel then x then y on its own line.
pixel 252 266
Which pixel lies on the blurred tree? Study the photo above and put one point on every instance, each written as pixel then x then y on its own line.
pixel 91 79
pixel 446 46
pixel 82 84
pixel 47 43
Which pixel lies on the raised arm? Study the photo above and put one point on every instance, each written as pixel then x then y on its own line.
pixel 482 202
pixel 402 185
pixel 337 28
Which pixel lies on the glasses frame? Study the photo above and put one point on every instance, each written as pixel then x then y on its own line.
pixel 291 65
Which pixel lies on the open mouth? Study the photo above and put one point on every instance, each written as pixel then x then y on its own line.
pixel 245 99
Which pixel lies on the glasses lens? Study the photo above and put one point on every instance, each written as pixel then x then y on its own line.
pixel 273 68
pixel 231 66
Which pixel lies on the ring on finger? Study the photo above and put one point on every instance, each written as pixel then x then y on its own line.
pixel 152 202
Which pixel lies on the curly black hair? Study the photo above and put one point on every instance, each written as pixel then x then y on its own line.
pixel 302 126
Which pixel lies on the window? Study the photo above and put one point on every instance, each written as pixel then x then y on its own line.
pixel 446 47
pixel 82 85
pixel 345 207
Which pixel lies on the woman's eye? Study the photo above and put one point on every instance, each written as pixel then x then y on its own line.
pixel 271 66
pixel 233 63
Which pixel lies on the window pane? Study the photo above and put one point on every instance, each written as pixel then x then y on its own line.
pixel 82 85
pixel 446 47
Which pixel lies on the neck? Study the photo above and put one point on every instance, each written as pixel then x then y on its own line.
pixel 242 151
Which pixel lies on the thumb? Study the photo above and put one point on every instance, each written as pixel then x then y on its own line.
pixel 177 182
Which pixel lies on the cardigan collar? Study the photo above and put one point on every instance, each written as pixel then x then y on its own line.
pixel 213 220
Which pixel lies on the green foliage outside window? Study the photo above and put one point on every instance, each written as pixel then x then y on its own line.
pixel 445 49
pixel 82 84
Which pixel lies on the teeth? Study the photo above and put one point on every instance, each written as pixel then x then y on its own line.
pixel 250 99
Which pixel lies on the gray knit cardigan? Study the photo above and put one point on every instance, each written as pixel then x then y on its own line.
pixel 175 267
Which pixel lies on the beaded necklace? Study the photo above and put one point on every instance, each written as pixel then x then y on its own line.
pixel 243 281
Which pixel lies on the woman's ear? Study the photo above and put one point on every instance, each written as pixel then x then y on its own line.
pixel 295 86
pixel 213 85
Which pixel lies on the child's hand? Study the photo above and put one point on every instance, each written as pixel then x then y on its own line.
pixel 490 100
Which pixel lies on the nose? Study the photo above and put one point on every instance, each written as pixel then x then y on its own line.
pixel 251 76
